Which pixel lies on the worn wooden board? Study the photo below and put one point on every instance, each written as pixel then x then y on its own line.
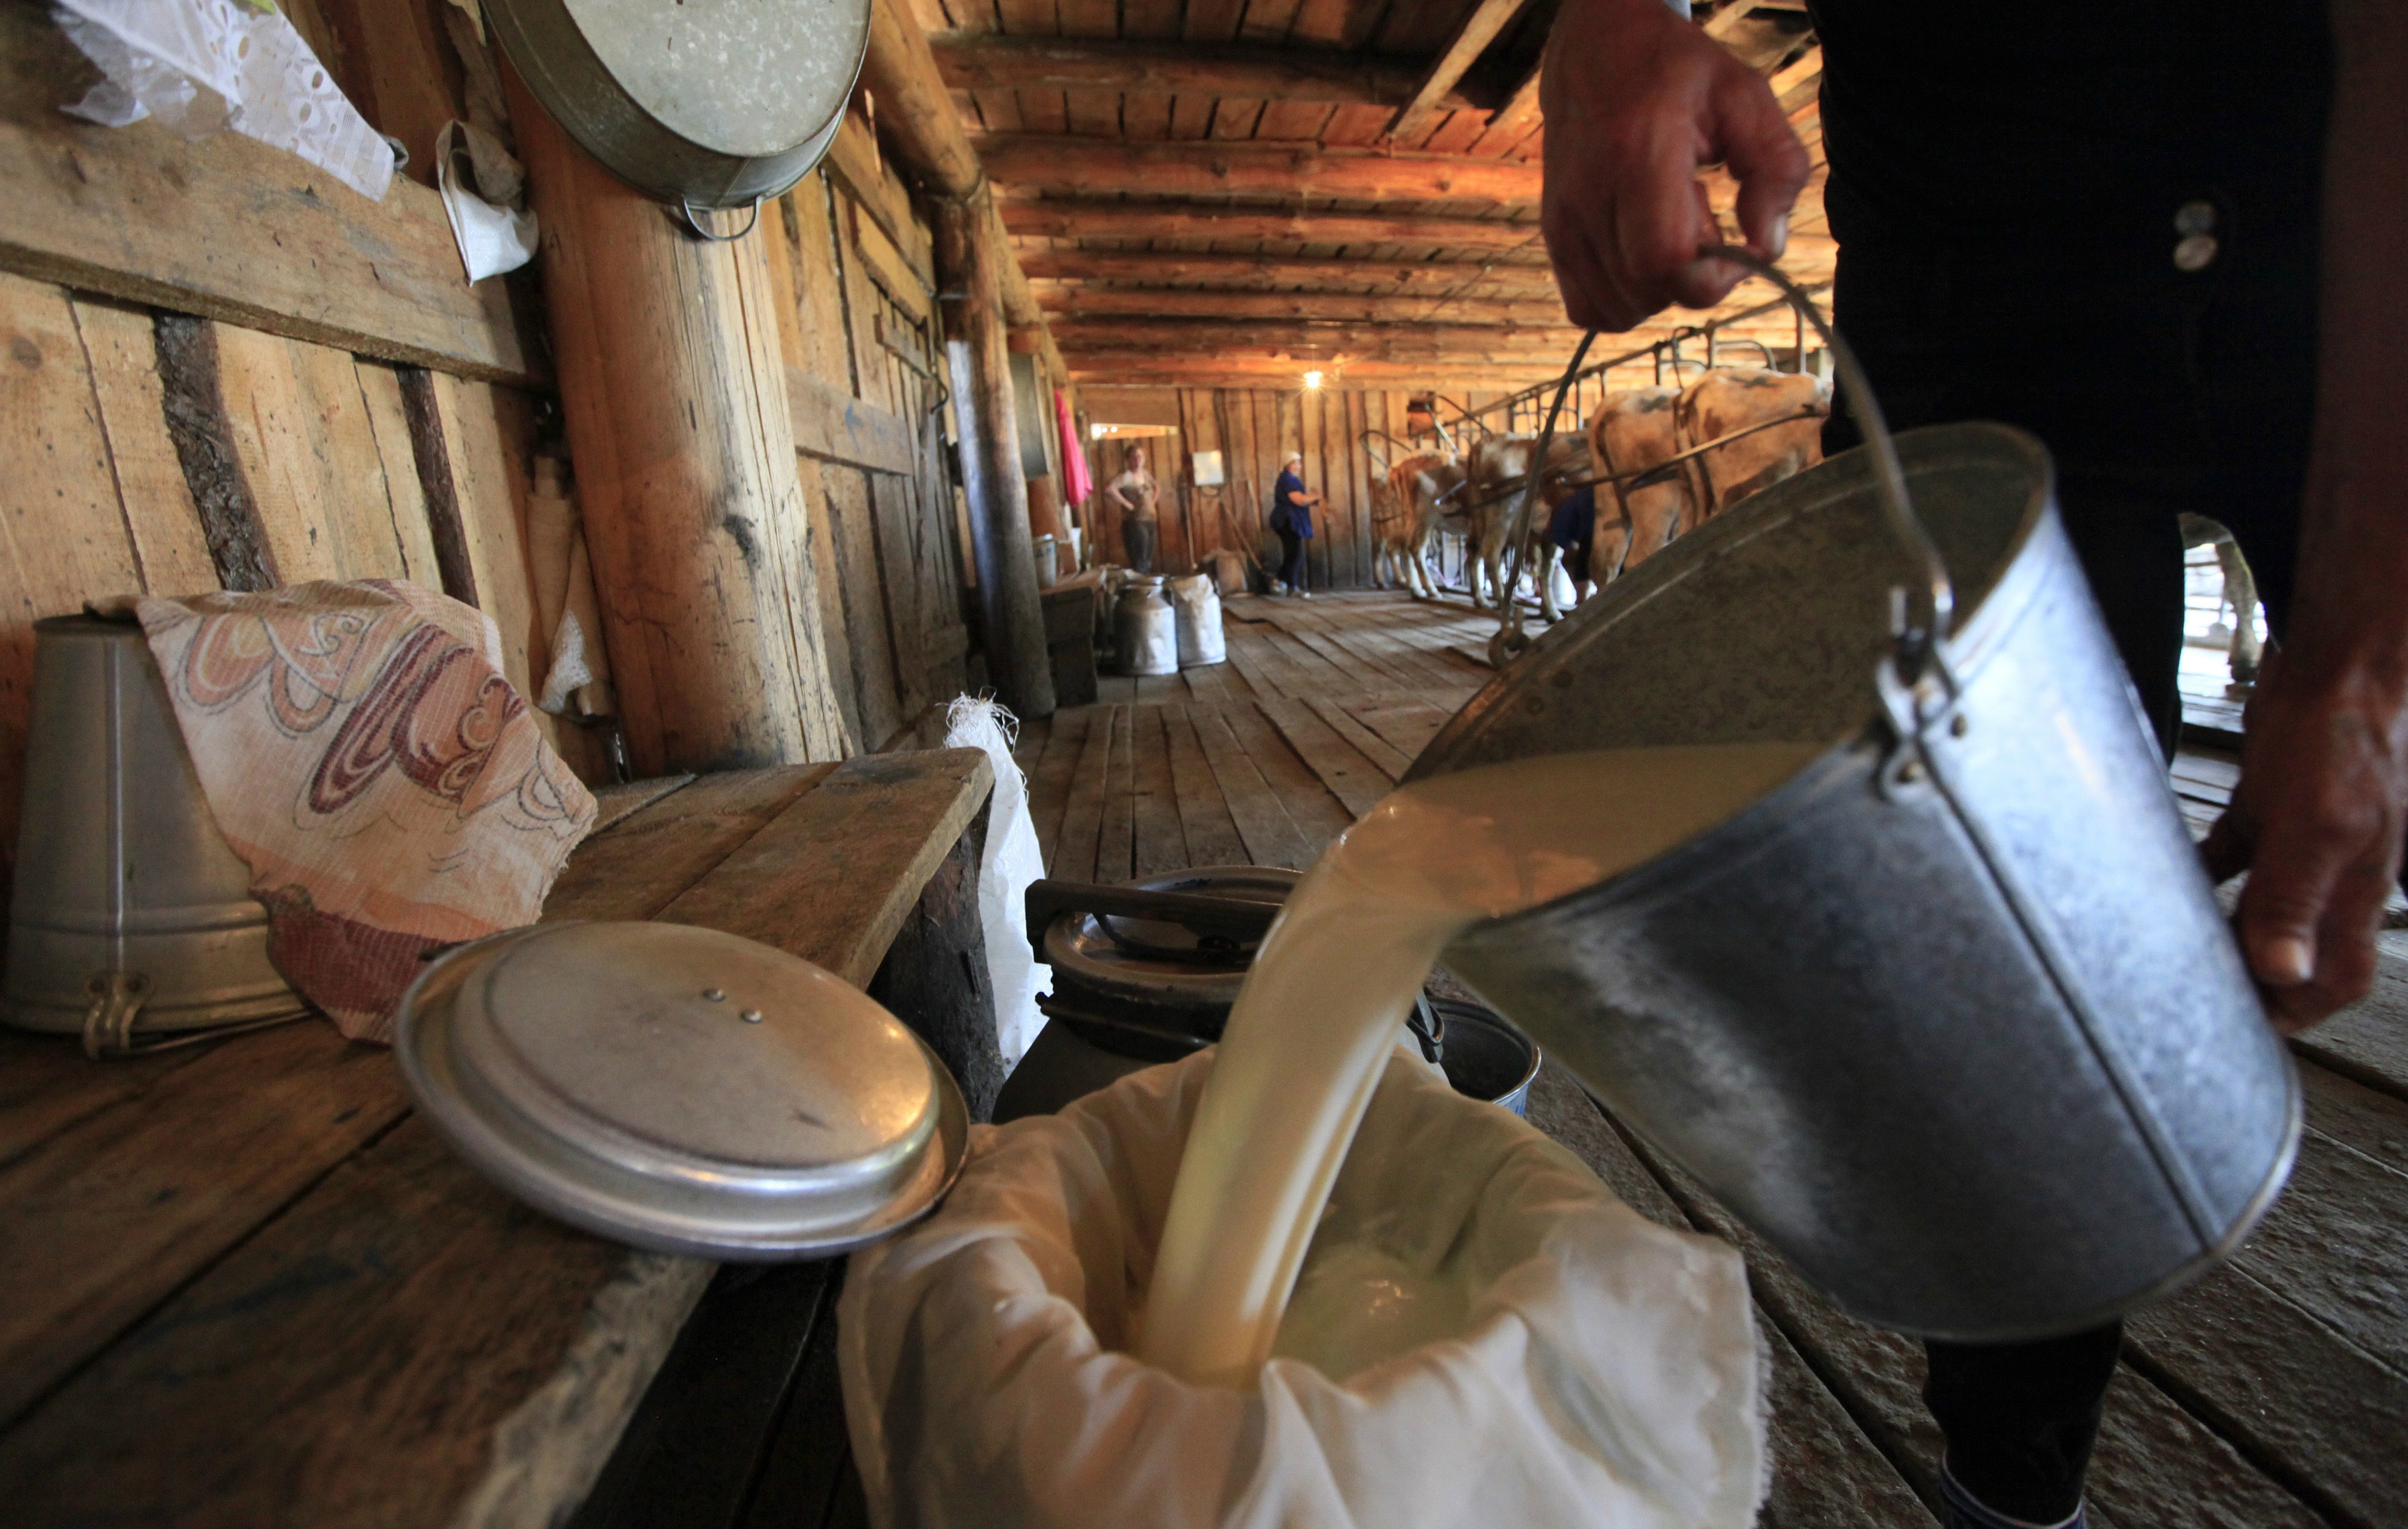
pixel 310 456
pixel 621 799
pixel 833 877
pixel 1318 815
pixel 664 848
pixel 405 1296
pixel 1077 843
pixel 1354 779
pixel 1116 838
pixel 1392 760
pixel 288 250
pixel 1050 779
pixel 104 1218
pixel 2368 1041
pixel 832 424
pixel 1159 843
pixel 1204 819
pixel 853 565
pixel 63 533
pixel 170 553
pixel 1271 835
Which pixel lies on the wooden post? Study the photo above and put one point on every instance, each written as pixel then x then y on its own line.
pixel 968 260
pixel 673 388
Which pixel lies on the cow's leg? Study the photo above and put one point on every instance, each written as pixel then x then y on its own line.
pixel 2241 593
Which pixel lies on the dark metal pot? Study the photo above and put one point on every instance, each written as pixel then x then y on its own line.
pixel 1951 1017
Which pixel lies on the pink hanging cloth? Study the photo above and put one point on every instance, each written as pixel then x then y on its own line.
pixel 1079 482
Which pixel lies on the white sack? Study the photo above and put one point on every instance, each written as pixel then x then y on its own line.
pixel 202 67
pixel 1609 1373
pixel 1198 603
pixel 1011 863
pixel 494 235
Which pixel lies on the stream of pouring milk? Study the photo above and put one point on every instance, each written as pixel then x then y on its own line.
pixel 1336 976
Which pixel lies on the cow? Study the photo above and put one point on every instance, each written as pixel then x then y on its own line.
pixel 1789 406
pixel 1406 503
pixel 1499 469
pixel 2246 651
pixel 1645 428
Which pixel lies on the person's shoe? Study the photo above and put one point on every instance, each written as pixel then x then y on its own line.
pixel 1960 1509
pixel 1304 594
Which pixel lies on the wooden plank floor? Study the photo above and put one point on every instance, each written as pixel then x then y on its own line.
pixel 2272 1394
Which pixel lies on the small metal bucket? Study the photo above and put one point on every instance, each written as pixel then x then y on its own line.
pixel 130 916
pixel 1950 1017
pixel 1483 1057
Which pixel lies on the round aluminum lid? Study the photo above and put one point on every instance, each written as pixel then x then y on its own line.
pixel 682 1088
pixel 1150 960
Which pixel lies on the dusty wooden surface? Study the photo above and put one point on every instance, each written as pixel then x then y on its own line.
pixel 232 229
pixel 245 1285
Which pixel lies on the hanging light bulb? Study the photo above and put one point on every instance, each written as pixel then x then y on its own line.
pixel 1312 380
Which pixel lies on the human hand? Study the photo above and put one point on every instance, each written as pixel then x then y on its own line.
pixel 1635 101
pixel 2317 822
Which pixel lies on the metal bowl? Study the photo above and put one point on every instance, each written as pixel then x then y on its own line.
pixel 682 1088
pixel 703 104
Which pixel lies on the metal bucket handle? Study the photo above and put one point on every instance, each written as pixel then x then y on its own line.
pixel 1919 615
pixel 686 216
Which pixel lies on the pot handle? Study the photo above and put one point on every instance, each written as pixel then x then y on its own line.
pixel 686 215
pixel 1922 612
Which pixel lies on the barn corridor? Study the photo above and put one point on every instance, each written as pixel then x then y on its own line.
pixel 1322 706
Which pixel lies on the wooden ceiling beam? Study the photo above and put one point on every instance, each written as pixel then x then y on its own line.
pixel 1262 273
pixel 1471 39
pixel 1076 220
pixel 1080 166
pixel 992 62
pixel 1348 308
pixel 1310 342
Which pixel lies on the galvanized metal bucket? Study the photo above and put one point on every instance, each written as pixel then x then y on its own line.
pixel 703 104
pixel 130 917
pixel 1951 1017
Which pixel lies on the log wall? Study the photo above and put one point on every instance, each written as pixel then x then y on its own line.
pixel 219 368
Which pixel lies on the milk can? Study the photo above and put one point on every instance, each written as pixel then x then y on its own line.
pixel 1197 605
pixel 1045 552
pixel 1145 630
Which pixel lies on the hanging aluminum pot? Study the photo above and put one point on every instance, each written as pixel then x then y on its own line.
pixel 704 103
pixel 131 918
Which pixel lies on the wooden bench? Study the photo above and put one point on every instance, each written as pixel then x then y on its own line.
pixel 244 1284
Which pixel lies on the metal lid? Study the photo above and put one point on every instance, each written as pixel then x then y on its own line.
pixel 1153 962
pixel 682 1088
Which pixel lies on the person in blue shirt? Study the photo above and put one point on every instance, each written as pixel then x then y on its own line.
pixel 1572 528
pixel 1292 522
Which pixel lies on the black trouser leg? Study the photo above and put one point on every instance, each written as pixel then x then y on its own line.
pixel 1137 538
pixel 1291 559
pixel 2020 1418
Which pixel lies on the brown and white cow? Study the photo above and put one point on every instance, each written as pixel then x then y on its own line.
pixel 1406 503
pixel 1499 467
pixel 1644 429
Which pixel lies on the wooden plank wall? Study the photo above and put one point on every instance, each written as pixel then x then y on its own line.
pixel 863 346
pixel 160 448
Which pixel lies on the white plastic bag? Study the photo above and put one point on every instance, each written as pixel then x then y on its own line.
pixel 1606 1370
pixel 1011 863
pixel 1198 605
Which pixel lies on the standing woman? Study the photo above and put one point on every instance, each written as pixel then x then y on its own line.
pixel 1137 494
pixel 1292 519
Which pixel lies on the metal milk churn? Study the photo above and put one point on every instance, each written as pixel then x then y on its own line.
pixel 1145 629
pixel 130 916
pixel 1951 1017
